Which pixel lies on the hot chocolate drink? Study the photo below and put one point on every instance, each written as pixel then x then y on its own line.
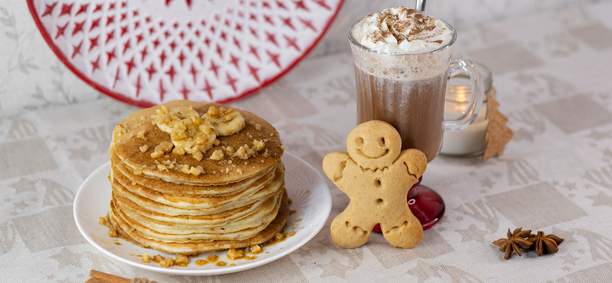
pixel 415 108
pixel 401 69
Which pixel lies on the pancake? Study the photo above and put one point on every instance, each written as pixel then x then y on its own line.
pixel 211 219
pixel 271 189
pixel 126 144
pixel 198 202
pixel 197 247
pixel 241 229
pixel 161 186
pixel 191 177
pixel 250 220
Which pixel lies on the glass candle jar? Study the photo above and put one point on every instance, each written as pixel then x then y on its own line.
pixel 471 141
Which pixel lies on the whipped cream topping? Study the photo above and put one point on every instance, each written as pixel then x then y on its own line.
pixel 402 31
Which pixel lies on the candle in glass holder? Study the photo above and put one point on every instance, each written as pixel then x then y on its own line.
pixel 471 141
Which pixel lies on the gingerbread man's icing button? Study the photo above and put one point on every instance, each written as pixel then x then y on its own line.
pixel 376 175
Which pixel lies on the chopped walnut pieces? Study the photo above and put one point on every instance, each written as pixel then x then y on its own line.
pixel 266 154
pixel 226 122
pixel 239 171
pixel 213 112
pixel 102 220
pixel 255 249
pixel 217 155
pixel 271 134
pixel 217 142
pixel 165 263
pixel 187 130
pixel 279 236
pixel 251 122
pixel 112 233
pixel 235 254
pixel 184 168
pixel 258 145
pixel 282 147
pixel 162 167
pixel 120 129
pixel 142 118
pixel 244 152
pixel 198 155
pixel 144 148
pixel 229 151
pixel 141 134
pixel 258 127
pixel 178 151
pixel 182 261
pixel 192 170
pixel 162 148
pixel 146 258
pixel 157 258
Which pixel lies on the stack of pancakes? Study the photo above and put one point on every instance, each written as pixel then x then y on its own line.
pixel 179 204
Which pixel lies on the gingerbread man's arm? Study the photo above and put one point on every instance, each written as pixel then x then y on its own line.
pixel 414 160
pixel 334 164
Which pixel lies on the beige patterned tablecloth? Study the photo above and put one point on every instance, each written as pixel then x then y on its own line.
pixel 554 81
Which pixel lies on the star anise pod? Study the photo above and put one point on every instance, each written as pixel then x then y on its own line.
pixel 544 244
pixel 515 242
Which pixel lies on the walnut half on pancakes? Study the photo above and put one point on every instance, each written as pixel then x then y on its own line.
pixel 191 177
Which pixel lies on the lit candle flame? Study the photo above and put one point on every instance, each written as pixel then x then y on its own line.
pixel 460 92
pixel 457 97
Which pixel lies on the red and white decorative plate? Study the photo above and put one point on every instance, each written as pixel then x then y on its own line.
pixel 147 52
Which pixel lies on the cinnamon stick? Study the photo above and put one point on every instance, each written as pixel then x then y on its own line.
pixel 106 278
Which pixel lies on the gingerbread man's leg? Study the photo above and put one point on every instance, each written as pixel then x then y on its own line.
pixel 405 235
pixel 345 235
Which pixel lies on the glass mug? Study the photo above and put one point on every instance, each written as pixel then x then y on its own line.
pixel 408 91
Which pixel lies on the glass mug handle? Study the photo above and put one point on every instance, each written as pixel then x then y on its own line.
pixel 477 96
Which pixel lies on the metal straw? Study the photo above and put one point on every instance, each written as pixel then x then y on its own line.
pixel 420 6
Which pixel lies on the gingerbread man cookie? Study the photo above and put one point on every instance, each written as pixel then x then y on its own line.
pixel 376 175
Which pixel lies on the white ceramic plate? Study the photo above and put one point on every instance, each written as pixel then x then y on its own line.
pixel 305 186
